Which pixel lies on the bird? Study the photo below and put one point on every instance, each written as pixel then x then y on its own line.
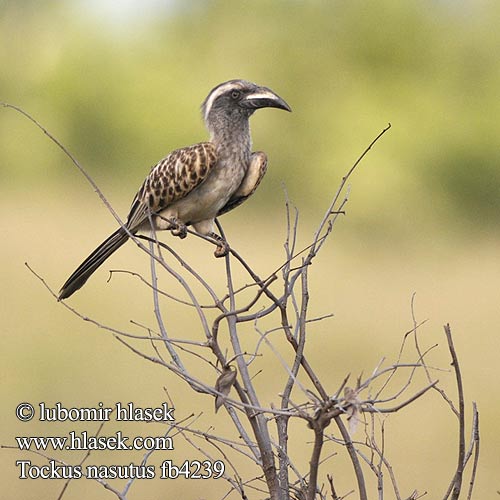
pixel 193 185
pixel 223 385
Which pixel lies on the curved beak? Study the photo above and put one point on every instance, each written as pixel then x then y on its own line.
pixel 262 97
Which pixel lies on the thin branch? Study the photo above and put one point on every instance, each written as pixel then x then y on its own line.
pixel 404 403
pixel 475 437
pixel 75 162
pixel 159 318
pixel 80 315
pixel 422 355
pixel 358 471
pixel 259 425
pixel 456 483
pixel 161 292
pixel 314 462
pixel 346 177
pixel 82 461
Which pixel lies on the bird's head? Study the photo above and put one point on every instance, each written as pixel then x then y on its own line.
pixel 234 102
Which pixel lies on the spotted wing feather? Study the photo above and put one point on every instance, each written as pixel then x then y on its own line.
pixel 172 179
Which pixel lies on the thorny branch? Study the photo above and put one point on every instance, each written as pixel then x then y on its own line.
pixel 224 324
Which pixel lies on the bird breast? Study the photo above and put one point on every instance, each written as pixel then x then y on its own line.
pixel 206 200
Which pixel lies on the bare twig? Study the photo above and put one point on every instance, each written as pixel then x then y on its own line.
pixel 456 483
pixel 475 438
pixel 358 471
pixel 70 156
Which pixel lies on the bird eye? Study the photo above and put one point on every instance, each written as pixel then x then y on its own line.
pixel 235 94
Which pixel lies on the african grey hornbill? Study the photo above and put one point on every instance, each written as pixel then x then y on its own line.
pixel 195 184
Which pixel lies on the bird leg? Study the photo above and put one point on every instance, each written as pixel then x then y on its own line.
pixel 174 225
pixel 222 245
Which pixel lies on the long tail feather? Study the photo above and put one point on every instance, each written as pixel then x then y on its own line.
pixel 92 262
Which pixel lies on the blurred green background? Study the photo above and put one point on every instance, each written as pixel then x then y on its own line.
pixel 120 83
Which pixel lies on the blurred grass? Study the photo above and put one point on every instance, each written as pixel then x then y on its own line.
pixel 422 216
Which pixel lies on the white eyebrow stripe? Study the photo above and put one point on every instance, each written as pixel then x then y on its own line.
pixel 260 95
pixel 218 92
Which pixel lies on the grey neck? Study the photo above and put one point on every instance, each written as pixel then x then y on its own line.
pixel 231 138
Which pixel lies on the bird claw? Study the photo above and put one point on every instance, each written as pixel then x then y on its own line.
pixel 222 245
pixel 178 228
pixel 222 249
pixel 180 231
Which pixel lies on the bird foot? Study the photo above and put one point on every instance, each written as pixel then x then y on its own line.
pixel 177 228
pixel 222 245
pixel 222 249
